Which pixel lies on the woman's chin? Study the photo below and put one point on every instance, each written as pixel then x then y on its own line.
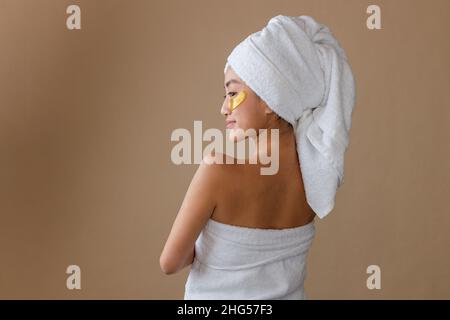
pixel 236 135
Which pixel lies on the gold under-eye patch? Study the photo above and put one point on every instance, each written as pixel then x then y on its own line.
pixel 236 101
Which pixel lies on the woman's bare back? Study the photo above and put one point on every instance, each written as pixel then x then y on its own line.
pixel 247 198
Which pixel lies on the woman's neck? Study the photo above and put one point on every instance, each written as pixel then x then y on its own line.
pixel 283 142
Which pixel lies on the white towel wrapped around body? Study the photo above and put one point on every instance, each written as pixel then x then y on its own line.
pixel 234 262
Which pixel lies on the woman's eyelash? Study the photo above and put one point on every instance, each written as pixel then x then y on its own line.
pixel 229 93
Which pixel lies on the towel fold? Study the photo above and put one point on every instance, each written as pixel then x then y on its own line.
pixel 234 262
pixel 298 68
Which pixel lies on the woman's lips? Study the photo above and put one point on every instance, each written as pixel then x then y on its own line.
pixel 230 124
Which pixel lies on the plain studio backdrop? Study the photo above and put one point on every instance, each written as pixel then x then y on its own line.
pixel 85 123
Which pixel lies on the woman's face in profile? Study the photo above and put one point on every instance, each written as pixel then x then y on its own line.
pixel 252 112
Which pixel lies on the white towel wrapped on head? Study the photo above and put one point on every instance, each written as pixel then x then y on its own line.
pixel 298 68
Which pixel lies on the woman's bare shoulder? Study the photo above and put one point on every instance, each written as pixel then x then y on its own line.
pixel 220 160
pixel 230 167
pixel 221 167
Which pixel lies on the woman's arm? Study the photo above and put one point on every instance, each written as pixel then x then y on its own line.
pixel 196 209
pixel 189 260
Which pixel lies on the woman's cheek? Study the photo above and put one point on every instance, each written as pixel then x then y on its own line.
pixel 250 119
pixel 244 117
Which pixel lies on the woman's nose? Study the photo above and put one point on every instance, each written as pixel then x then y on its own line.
pixel 225 110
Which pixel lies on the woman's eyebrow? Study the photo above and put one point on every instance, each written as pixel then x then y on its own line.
pixel 231 81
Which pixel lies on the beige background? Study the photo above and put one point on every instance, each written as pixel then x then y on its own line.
pixel 85 123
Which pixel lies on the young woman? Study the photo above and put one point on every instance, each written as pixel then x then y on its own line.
pixel 247 235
